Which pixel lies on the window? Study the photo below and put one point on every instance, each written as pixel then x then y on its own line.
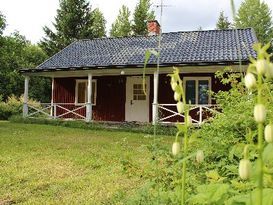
pixel 138 93
pixel 81 92
pixel 196 89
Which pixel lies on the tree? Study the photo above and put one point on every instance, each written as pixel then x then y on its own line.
pixel 73 21
pixel 98 27
pixel 256 14
pixel 223 22
pixel 122 25
pixel 2 23
pixel 16 53
pixel 141 15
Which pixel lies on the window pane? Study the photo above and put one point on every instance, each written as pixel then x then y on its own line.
pixel 82 92
pixel 190 91
pixel 203 96
pixel 138 92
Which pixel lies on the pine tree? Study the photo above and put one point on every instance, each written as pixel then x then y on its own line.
pixel 223 22
pixel 122 25
pixel 256 14
pixel 98 27
pixel 141 15
pixel 73 21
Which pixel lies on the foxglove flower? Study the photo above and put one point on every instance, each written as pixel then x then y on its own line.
pixel 177 96
pixel 244 169
pixel 176 148
pixel 269 72
pixel 261 66
pixel 259 113
pixel 174 85
pixel 268 133
pixel 180 107
pixel 250 81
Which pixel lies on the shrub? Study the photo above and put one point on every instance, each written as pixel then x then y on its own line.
pixel 13 106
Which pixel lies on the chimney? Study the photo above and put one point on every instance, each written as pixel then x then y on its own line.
pixel 153 27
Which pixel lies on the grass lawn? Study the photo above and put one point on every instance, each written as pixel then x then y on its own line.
pixel 42 164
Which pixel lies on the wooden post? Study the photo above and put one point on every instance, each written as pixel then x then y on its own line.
pixel 200 114
pixel 25 106
pixel 155 101
pixel 52 110
pixel 89 99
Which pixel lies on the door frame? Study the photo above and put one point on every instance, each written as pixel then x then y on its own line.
pixel 128 101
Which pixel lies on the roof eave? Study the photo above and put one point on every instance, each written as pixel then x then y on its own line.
pixel 180 64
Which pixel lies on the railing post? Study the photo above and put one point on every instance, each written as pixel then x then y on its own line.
pixel 54 111
pixel 52 114
pixel 155 101
pixel 25 103
pixel 89 99
pixel 200 114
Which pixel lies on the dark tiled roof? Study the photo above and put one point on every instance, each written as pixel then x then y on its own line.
pixel 192 47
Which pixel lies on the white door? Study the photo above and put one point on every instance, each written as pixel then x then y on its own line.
pixel 137 103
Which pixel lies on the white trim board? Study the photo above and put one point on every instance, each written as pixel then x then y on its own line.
pixel 132 71
pixel 196 79
pixel 76 91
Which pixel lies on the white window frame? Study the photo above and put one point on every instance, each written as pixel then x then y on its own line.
pixel 76 91
pixel 196 79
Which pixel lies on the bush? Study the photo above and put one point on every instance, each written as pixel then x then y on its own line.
pixel 13 106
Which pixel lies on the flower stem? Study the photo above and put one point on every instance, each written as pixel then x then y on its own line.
pixel 184 166
pixel 260 148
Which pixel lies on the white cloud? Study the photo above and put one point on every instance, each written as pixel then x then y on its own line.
pixel 29 16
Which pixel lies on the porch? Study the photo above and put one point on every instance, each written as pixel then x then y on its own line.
pixel 119 97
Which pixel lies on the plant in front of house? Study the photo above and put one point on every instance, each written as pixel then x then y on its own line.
pixel 257 79
pixel 183 108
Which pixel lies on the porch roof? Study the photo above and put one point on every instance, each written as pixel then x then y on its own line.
pixel 178 48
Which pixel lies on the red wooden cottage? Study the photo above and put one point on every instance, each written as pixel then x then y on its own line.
pixel 101 79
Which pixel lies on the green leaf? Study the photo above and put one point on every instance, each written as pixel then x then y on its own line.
pixel 211 194
pixel 267 196
pixel 267 154
pixel 236 151
pixel 181 128
pixel 213 176
pixel 148 54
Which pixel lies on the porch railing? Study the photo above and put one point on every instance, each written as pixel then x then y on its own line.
pixel 167 113
pixel 57 110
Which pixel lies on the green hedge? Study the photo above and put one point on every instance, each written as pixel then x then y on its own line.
pixel 131 127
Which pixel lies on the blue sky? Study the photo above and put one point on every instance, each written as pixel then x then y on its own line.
pixel 29 16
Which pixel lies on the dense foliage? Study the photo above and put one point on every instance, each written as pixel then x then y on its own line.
pixel 122 25
pixel 74 20
pixel 223 22
pixel 17 53
pixel 256 14
pixel 141 15
pixel 99 27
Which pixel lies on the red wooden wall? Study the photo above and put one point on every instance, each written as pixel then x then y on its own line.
pixel 110 97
